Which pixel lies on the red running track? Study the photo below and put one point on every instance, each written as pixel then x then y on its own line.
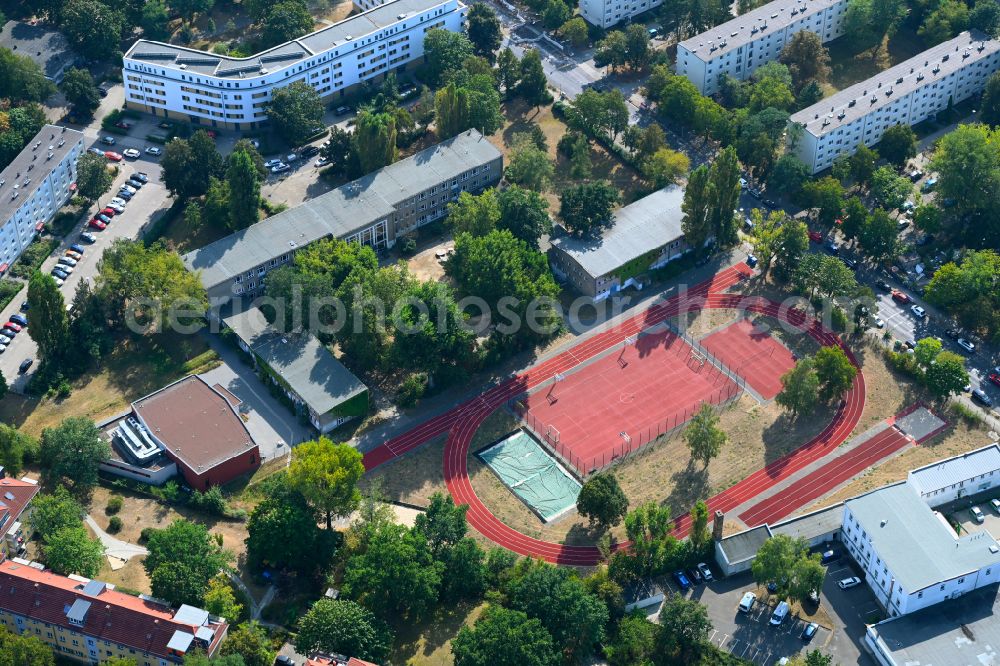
pixel 753 355
pixel 643 390
pixel 462 421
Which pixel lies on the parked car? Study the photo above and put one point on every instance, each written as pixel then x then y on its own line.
pixel 995 378
pixel 995 503
pixel 118 201
pixel 280 167
pixel 916 175
pixel 88 237
pixel 128 188
pixel 779 614
pixel 829 556
pixel 977 514
pixel 751 261
pixel 25 364
pixel 109 211
pixel 918 311
pixel 153 150
pixel 133 183
pixel 900 296
pixel 113 156
pixel 60 273
pixel 108 140
pixel 96 151
pixel 322 162
pixel 706 573
pixel 695 576
pixel 273 162
pixel 5 340
pixel 929 184
pixel 19 319
pixel 25 306
pixel 117 208
pixel 747 602
pixel 979 395
pixel 810 631
pixel 282 660
pixel 97 224
pixel 12 326
pixel 815 237
pixel 848 583
pixel 953 333
pixel 75 247
pixel 103 218
pixel 879 322
pixel 124 194
pixel 966 345
pixel 883 285
pixel 342 110
pixel 121 124
pixel 682 581
pixel 132 153
pixel 141 177
pixel 833 248
pixel 67 261
pixel 309 151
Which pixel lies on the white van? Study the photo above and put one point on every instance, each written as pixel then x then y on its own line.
pixel 780 613
pixel 746 604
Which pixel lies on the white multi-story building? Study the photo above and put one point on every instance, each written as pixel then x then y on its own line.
pixel 906 94
pixel 35 186
pixel 221 91
pixel 606 13
pixel 911 556
pixel 740 46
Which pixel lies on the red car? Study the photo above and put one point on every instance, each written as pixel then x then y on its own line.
pixel 113 156
pixel 815 237
pixel 995 378
pixel 899 296
pixel 12 326
pixel 123 125
pixel 110 212
pixel 97 224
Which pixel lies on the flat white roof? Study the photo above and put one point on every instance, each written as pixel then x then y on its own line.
pixel 950 471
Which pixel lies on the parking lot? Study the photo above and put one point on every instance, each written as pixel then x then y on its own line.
pixel 960 512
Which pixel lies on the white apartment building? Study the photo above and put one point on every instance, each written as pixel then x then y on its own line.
pixel 220 91
pixel 606 13
pixel 906 94
pixel 912 557
pixel 740 46
pixel 33 188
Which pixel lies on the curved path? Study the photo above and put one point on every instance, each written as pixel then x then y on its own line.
pixel 462 421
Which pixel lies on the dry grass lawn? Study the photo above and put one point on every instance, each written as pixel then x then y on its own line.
pixel 413 478
pixel 429 643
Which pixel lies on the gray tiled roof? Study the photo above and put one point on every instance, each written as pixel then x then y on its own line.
pixel 211 64
pixel 48 48
pixel 645 225
pixel 300 360
pixel 771 18
pixel 812 525
pixel 34 155
pixel 916 546
pixel 744 545
pixel 962 467
pixel 341 212
pixel 853 102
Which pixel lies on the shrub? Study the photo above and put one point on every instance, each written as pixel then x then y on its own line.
pixel 210 501
pixel 115 503
pixel 146 534
pixel 408 246
pixel 412 389
pixel 114 525
pixel 838 319
pixel 8 290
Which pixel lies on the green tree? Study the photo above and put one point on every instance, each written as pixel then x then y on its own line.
pixel 73 450
pixel 559 599
pixel 725 189
pixel 649 529
pixel 807 59
pixel 504 637
pixel 80 90
pixel 198 658
pixel 70 550
pixel 295 111
pixel 442 524
pixel 826 275
pixel 807 577
pixel 343 627
pixel 21 79
pixel 244 190
pixel 16 448
pixel 602 501
pixel 879 236
pixel 899 142
pixel 327 476
pixel 927 218
pixel 286 21
pixel 799 388
pixel 770 92
pixel 508 70
pixel 465 563
pixel 587 207
pixel 788 175
pixel 92 176
pixel 985 16
pixel 575 31
pixel 525 214
pixel 556 13
pixel 155 21
pixel 703 435
pixel 474 214
pixel 339 152
pixel 776 560
pixel 250 641
pixel 182 559
pixel 950 18
pixel 684 627
pixel 221 600
pixel 533 84
pixel 49 321
pixel 889 188
pixel 947 376
pixel 444 53
pixel 484 30
pixel 92 28
pixel 189 165
pixel 866 22
pixel 396 573
pixel 765 238
pixel 827 196
pixel 23 650
pixel 834 371
pixel 612 50
pixel 854 219
pixel 666 166
pixel 52 512
pixel 375 137
pixel 634 641
pixel 699 535
pixel 967 162
pixel 637 48
pixel 282 533
pixel 695 222
pixel 530 166
pixel 862 164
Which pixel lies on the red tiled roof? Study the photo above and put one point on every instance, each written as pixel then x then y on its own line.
pixel 22 493
pixel 324 660
pixel 113 616
pixel 196 423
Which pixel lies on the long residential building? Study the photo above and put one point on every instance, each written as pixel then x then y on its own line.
pixel 374 210
pixel 91 622
pixel 222 91
pixel 740 46
pixel 905 94
pixel 34 186
pixel 606 13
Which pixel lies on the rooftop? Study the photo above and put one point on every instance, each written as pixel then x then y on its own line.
pixel 195 423
pixel 15 495
pixel 917 546
pixel 341 212
pixel 768 19
pixel 29 168
pixel 851 103
pixel 950 471
pixel 744 545
pixel 812 525
pixel 336 660
pixel 97 609
pixel 647 224
pixel 47 48
pixel 957 631
pixel 301 361
pixel 347 33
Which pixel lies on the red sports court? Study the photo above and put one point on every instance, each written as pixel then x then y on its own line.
pixel 614 405
pixel 752 354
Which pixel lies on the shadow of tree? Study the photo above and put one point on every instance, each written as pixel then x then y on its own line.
pixel 687 486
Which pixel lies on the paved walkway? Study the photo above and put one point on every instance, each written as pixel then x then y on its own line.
pixel 115 547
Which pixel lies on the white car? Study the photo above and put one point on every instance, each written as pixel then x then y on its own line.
pixel 746 603
pixel 59 282
pixel 966 345
pixel 322 162
pixel 65 268
pixel 118 201
pixel 128 188
pixel 848 583
pixel 705 572
pixel 279 167
pixel 4 340
pixel 978 514
pixel 291 157
pixel 118 208
pixel 918 311
pixel 131 153
pixel 272 162
pixel 153 150
pixel 3 348
pixel 879 322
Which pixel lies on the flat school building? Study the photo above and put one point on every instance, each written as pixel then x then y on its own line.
pixel 221 91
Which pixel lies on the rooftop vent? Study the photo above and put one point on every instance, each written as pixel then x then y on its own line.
pixel 945 58
pixel 183 66
pixel 852 103
pixel 899 80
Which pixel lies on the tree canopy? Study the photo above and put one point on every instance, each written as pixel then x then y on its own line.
pixel 182 559
pixel 602 500
pixel 504 637
pixel 343 627
pixel 73 451
pixel 703 435
pixel 296 112
pixel 327 476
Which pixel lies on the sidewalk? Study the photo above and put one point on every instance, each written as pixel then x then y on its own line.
pixel 114 547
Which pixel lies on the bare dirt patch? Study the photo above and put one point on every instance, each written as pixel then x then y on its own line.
pixel 426 265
